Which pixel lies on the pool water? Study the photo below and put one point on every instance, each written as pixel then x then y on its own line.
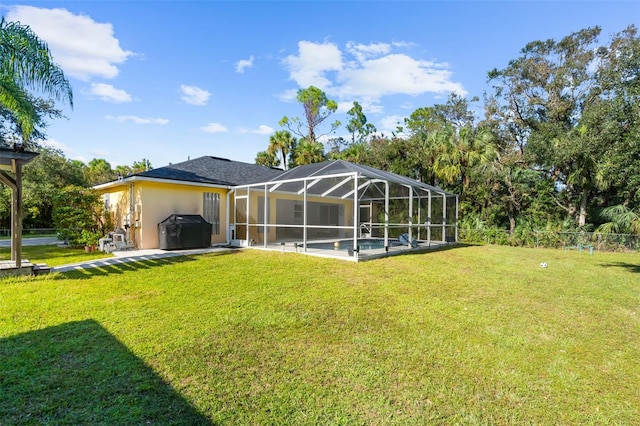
pixel 344 245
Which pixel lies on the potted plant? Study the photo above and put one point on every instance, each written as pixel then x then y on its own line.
pixel 90 240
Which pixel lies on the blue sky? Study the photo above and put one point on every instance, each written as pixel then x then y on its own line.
pixel 172 80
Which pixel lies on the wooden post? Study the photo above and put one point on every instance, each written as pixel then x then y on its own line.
pixel 12 160
pixel 16 217
pixel 15 202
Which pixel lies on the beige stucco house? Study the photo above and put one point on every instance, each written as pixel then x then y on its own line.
pixel 201 186
pixel 335 205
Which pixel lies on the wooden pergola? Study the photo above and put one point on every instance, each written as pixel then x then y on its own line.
pixel 11 162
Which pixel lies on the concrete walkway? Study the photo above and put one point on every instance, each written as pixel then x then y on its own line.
pixel 135 256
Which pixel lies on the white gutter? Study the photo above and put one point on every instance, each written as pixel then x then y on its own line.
pixel 159 180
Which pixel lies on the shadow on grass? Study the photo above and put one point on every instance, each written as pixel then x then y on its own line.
pixel 78 373
pixel 121 265
pixel 631 267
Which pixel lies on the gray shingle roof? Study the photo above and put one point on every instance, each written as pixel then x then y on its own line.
pixel 214 170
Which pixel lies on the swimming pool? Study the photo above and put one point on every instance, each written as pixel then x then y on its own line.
pixel 363 244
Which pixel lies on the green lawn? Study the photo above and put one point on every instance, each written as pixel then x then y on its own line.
pixel 53 255
pixel 470 335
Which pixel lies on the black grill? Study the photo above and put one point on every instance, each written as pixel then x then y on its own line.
pixel 184 231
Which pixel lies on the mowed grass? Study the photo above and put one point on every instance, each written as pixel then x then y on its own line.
pixel 53 255
pixel 469 335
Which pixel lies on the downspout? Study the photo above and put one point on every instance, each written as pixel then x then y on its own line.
pixel 132 217
pixel 229 193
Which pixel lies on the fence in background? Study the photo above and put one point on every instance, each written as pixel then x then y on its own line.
pixel 29 231
pixel 550 239
pixel 597 240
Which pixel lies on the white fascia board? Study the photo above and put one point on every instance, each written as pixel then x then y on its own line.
pixel 133 179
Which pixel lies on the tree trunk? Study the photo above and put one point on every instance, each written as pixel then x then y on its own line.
pixel 582 219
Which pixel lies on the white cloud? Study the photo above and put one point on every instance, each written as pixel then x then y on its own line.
pixel 263 130
pixel 397 74
pixel 343 107
pixel 390 123
pixel 289 95
pixel 244 63
pixel 403 44
pixel 99 153
pixel 82 47
pixel 364 51
pixel 368 107
pixel 213 128
pixel 136 119
pixel 52 143
pixel 194 95
pixel 108 93
pixel 314 60
pixel 368 72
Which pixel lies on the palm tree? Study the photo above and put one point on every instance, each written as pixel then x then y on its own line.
pixel 267 159
pixel 26 63
pixel 141 166
pixel 282 142
pixel 99 171
pixel 308 153
pixel 622 220
pixel 460 151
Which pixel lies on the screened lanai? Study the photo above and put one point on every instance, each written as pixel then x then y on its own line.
pixel 341 209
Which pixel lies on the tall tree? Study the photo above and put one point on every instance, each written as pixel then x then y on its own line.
pixel 99 171
pixel 445 143
pixel 317 108
pixel 26 64
pixel 44 177
pixel 424 144
pixel 544 93
pixel 358 127
pixel 614 118
pixel 460 150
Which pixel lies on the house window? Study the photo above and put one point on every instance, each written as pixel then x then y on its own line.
pixel 211 210
pixel 106 200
